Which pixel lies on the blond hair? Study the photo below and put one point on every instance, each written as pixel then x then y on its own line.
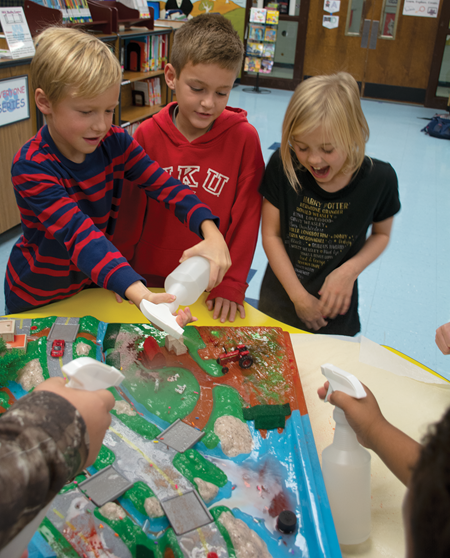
pixel 207 39
pixel 332 102
pixel 68 58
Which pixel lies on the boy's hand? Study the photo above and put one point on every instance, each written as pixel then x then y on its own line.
pixel 336 292
pixel 363 415
pixel 308 309
pixel 226 309
pixel 213 248
pixel 119 299
pixel 138 291
pixel 185 317
pixel 93 406
pixel 443 338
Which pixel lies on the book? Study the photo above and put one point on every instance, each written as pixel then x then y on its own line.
pixel 252 64
pixel 140 5
pixel 142 86
pixel 266 66
pixel 272 17
pixel 268 50
pixel 256 32
pixel 151 88
pixel 270 34
pixel 255 49
pixel 257 15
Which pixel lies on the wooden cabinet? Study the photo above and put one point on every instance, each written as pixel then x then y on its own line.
pixel 12 137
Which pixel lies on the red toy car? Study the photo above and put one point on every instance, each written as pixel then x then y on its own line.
pixel 240 354
pixel 58 346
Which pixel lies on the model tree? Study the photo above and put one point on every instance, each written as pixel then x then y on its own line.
pixel 11 361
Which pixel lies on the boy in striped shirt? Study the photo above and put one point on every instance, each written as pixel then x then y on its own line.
pixel 68 183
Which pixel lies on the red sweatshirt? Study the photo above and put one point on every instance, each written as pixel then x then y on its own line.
pixel 224 168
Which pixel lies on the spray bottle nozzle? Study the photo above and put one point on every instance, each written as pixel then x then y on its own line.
pixel 340 380
pixel 161 316
pixel 90 374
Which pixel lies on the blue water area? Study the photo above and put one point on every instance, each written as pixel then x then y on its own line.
pixel 39 547
pixel 16 389
pixel 281 472
pixel 151 526
pixel 100 336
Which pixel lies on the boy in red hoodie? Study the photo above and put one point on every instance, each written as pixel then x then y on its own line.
pixel 208 146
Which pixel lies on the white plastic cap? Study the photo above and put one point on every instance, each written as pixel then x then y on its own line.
pixel 340 380
pixel 161 316
pixel 90 374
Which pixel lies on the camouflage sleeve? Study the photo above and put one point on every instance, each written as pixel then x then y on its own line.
pixel 43 443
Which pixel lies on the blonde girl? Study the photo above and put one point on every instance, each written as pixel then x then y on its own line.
pixel 321 196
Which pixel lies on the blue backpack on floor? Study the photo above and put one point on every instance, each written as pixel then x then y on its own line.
pixel 439 126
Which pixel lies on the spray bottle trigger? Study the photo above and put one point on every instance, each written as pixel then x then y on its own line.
pixel 342 381
pixel 89 374
pixel 329 392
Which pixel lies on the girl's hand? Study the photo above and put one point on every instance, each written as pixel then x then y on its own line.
pixel 213 248
pixel 309 311
pixel 225 308
pixel 336 292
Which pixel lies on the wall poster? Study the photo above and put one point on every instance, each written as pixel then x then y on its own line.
pixel 14 102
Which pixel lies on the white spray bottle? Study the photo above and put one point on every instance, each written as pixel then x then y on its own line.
pixel 187 282
pixel 346 466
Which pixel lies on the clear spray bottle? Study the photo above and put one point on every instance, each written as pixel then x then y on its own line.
pixel 346 466
pixel 187 282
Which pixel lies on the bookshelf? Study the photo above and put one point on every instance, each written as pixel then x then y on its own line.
pixel 116 24
pixel 128 113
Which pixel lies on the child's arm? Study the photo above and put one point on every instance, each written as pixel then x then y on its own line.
pixel 307 306
pixel 336 291
pixel 397 450
pixel 443 338
pixel 213 248
pixel 185 205
pixel 46 438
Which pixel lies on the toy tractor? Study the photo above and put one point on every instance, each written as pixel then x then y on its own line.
pixel 241 354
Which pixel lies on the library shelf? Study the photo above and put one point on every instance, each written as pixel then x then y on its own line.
pixel 132 114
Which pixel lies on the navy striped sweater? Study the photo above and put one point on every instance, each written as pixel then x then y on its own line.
pixel 69 211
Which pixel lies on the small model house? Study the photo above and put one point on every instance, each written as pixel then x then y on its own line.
pixel 8 330
pixel 8 333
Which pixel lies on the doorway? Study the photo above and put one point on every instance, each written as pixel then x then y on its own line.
pixel 438 91
pixel 387 52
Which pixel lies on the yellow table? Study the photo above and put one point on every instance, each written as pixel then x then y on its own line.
pixel 101 304
pixel 408 403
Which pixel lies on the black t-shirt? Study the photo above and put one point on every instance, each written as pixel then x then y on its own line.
pixel 322 230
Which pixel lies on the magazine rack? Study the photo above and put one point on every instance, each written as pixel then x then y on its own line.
pixel 260 46
pixel 39 17
pixel 104 18
pixel 107 17
pixel 128 16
